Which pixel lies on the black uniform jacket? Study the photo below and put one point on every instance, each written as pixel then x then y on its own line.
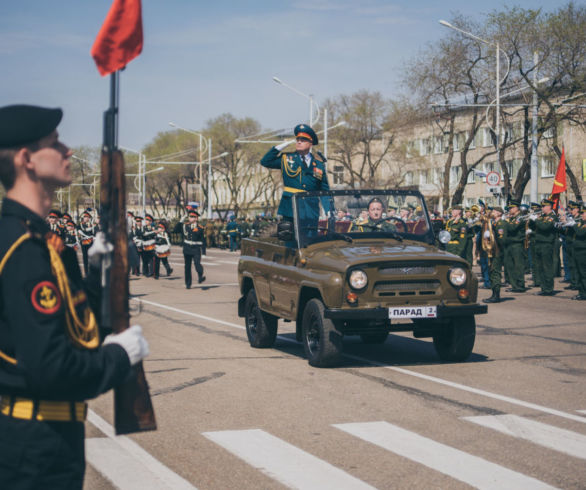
pixel 194 241
pixel 38 359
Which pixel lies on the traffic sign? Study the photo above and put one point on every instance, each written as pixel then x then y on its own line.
pixel 493 179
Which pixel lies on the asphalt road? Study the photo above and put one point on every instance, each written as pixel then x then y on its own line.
pixel 392 416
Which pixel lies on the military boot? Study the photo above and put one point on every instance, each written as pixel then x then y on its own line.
pixel 495 298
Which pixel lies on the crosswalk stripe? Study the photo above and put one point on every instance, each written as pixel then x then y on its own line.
pixel 127 465
pixel 581 411
pixel 284 462
pixel 457 464
pixel 562 440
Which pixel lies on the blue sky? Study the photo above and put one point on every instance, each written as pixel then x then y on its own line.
pixel 202 59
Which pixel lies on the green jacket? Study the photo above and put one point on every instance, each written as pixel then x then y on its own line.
pixel 459 240
pixel 545 229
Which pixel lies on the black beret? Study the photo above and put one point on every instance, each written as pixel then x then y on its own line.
pixel 24 124
pixel 305 131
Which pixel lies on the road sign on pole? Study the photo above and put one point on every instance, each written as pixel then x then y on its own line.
pixel 493 179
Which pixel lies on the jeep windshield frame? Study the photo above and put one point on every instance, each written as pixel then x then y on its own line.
pixel 332 215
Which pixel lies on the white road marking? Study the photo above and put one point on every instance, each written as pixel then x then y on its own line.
pixel 188 313
pixel 457 464
pixel 433 379
pixel 231 262
pixel 581 411
pixel 562 440
pixel 202 263
pixel 284 462
pixel 127 465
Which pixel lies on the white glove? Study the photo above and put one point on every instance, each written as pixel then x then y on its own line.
pixel 532 217
pixel 486 234
pixel 99 248
pixel 284 145
pixel 132 341
pixel 528 231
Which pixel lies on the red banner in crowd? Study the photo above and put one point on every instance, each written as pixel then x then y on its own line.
pixel 559 182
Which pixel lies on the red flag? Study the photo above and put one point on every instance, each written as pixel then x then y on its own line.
pixel 120 38
pixel 559 182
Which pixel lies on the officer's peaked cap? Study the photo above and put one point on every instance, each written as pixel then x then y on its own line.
pixel 24 124
pixel 305 131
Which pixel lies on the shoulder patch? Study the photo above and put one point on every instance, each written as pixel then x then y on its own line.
pixel 45 298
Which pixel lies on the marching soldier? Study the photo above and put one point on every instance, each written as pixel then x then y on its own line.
pixel 545 231
pixel 137 236
pixel 514 250
pixel 53 220
pixel 194 246
pixel 209 231
pixel 87 232
pixel 579 253
pixel 51 357
pixel 535 209
pixel 162 250
pixel 495 234
pixel 71 240
pixel 148 245
pixel 133 256
pixel 458 229
pixel 301 170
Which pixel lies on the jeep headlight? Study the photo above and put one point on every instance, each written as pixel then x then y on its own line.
pixel 457 276
pixel 358 279
pixel 444 236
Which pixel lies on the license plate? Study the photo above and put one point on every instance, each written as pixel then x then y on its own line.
pixel 413 312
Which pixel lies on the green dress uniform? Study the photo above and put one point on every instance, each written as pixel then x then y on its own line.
pixel 371 225
pixel 459 241
pixel 514 256
pixel 579 253
pixel 300 174
pixel 545 237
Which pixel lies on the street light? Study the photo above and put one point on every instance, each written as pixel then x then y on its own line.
pixel 310 97
pixel 499 82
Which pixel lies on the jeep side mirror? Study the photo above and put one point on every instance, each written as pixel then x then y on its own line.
pixel 285 231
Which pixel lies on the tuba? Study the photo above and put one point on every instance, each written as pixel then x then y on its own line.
pixel 489 244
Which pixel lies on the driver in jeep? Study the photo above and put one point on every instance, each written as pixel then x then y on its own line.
pixel 375 220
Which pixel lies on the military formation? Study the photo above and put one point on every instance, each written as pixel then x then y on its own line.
pixel 522 239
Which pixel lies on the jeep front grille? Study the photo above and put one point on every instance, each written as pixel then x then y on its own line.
pixel 422 288
pixel 406 269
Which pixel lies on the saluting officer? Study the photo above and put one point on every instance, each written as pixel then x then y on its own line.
pixel 194 246
pixel 51 359
pixel 87 232
pixel 545 230
pixel 458 229
pixel 301 169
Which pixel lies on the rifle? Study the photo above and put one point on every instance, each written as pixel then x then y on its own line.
pixel 133 409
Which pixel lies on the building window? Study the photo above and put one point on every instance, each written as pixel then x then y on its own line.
pixel 486 137
pixel 547 165
pixel 408 178
pixel 470 178
pixel 438 144
pixel 424 177
pixel 423 147
pixel 489 167
pixel 455 173
pixel 548 133
pixel 338 174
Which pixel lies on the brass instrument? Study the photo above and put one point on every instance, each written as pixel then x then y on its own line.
pixel 489 244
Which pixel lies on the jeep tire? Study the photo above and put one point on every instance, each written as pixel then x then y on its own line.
pixel 454 342
pixel 261 327
pixel 322 343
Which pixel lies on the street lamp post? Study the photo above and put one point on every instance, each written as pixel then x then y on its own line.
pixel 498 80
pixel 309 97
pixel 202 148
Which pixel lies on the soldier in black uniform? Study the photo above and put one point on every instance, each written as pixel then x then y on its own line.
pixel 194 246
pixel 148 246
pixel 53 221
pixel 162 250
pixel 71 239
pixel 87 232
pixel 51 359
